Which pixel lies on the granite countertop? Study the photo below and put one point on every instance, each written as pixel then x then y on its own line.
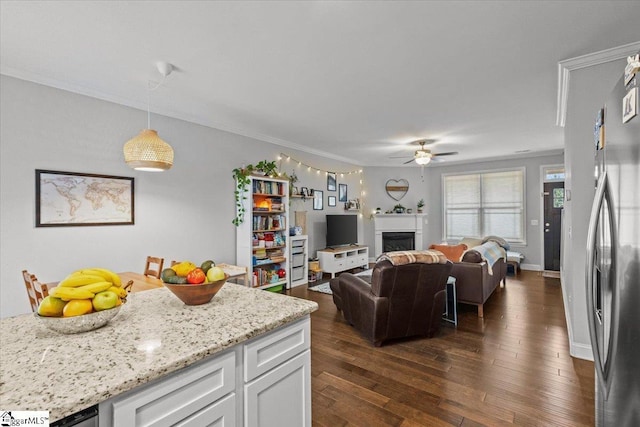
pixel 153 334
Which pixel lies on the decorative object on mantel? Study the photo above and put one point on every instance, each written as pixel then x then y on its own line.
pixel 399 208
pixel 147 151
pixel 420 205
pixel 241 175
pixel 397 188
pixel 378 210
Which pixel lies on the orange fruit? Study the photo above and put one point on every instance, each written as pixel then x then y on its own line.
pixel 77 307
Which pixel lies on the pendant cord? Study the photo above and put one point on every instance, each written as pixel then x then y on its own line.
pixel 148 108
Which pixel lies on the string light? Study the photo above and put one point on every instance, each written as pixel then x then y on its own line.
pixel 313 168
pixel 342 174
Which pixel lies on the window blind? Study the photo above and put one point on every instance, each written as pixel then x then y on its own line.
pixel 483 204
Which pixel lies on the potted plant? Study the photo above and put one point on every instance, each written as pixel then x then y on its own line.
pixel 399 208
pixel 420 205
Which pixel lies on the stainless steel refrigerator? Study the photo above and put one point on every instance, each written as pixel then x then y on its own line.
pixel 613 261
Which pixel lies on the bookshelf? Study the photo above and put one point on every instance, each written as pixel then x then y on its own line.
pixel 262 240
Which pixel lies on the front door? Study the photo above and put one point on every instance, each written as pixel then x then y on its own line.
pixel 553 204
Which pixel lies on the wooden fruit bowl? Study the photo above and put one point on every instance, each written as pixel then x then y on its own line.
pixel 196 294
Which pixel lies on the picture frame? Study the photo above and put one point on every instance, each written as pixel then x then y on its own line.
pixel 630 105
pixel 73 199
pixel 317 200
pixel 331 201
pixel 342 192
pixel 331 181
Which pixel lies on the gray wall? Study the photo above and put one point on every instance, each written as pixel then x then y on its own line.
pixel 589 88
pixel 184 213
pixel 430 188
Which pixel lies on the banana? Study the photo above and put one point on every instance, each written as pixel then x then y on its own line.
pixel 96 287
pixel 107 275
pixel 67 294
pixel 77 280
pixel 121 292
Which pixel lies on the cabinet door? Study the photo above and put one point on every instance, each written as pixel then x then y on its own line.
pixel 289 383
pixel 173 398
pixel 220 414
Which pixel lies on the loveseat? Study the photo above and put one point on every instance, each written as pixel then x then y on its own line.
pixel 402 300
pixel 477 275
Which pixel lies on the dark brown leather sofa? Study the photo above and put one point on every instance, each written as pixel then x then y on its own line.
pixel 400 301
pixel 474 284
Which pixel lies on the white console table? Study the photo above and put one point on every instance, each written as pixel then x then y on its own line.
pixel 341 259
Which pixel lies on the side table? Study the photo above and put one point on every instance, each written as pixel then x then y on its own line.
pixel 450 306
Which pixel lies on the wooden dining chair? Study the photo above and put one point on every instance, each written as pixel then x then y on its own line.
pixel 35 290
pixel 153 267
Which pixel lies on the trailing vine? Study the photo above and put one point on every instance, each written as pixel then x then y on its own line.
pixel 241 175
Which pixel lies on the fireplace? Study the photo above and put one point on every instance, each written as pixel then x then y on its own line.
pixel 399 224
pixel 398 241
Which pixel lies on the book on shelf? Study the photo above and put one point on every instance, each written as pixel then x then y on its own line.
pixel 268 187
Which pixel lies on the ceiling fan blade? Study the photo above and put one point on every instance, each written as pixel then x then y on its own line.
pixel 398 157
pixel 450 153
pixel 408 161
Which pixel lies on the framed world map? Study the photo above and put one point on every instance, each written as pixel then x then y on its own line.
pixel 66 199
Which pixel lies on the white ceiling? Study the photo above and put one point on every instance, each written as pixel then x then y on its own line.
pixel 353 81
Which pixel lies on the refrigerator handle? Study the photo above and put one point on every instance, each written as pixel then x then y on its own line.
pixel 591 248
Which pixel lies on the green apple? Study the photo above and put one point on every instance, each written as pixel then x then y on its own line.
pixel 214 274
pixel 105 300
pixel 51 307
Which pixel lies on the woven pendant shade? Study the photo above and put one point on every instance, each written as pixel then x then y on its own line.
pixel 148 152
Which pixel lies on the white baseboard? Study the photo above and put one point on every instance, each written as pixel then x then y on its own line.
pixel 531 267
pixel 580 351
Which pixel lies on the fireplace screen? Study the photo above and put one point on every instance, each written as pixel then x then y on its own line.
pixel 398 241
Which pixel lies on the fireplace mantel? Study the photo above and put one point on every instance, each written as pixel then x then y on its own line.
pixel 397 222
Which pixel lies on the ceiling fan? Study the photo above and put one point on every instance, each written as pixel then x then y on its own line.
pixel 423 156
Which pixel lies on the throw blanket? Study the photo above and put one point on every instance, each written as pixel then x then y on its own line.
pixel 490 252
pixel 498 240
pixel 410 257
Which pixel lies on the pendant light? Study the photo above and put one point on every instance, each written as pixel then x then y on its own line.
pixel 147 151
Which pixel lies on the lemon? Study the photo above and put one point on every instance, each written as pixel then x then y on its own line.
pixel 51 307
pixel 77 307
pixel 184 268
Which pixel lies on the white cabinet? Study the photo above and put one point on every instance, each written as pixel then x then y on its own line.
pixel 278 367
pixel 245 385
pixel 262 240
pixel 290 383
pixel 298 255
pixel 177 398
pixel 342 259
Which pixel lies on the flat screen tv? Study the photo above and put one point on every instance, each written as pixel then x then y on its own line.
pixel 342 230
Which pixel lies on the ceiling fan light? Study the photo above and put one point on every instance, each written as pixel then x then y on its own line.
pixel 148 152
pixel 423 160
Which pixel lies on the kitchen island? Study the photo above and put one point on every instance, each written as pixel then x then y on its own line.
pixel 152 341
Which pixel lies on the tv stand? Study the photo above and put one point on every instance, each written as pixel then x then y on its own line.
pixel 336 260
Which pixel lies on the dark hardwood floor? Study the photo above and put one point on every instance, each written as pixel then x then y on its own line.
pixel 510 368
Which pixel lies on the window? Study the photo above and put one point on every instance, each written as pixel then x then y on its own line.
pixel 483 204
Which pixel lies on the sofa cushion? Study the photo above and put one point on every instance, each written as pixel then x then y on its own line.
pixel 452 252
pixel 499 240
pixel 471 242
pixel 472 256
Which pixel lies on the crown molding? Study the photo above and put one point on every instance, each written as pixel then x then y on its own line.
pixel 225 127
pixel 589 60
